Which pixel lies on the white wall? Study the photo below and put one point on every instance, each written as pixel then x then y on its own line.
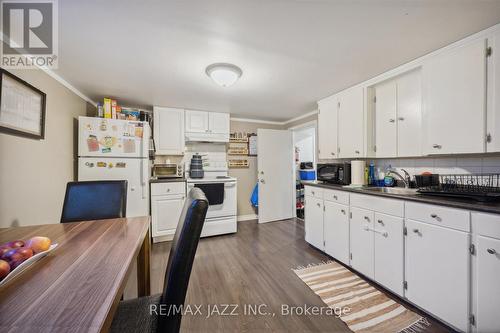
pixel 34 173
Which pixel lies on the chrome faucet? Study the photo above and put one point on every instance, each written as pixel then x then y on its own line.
pixel 406 179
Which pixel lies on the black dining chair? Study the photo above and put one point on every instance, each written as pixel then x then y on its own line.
pixel 158 313
pixel 94 200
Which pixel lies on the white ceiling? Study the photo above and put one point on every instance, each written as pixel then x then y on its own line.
pixel 292 53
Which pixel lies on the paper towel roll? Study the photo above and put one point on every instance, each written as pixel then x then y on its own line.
pixel 357 172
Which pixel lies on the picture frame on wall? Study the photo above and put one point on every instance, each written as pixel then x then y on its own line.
pixel 22 107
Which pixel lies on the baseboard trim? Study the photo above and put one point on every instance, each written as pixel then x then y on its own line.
pixel 247 217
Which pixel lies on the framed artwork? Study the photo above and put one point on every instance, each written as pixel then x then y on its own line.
pixel 22 107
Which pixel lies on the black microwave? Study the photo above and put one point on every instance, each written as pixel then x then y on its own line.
pixel 334 173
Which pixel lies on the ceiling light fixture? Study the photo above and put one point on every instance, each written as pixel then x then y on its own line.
pixel 224 74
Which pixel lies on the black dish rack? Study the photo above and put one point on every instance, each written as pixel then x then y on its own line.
pixel 480 187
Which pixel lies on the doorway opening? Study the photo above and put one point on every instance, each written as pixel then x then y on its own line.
pixel 304 143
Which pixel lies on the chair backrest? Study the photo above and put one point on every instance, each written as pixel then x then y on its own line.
pixel 94 200
pixel 180 260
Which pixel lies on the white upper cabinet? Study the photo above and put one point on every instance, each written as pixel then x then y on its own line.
pixel 168 131
pixel 385 119
pixel 409 118
pixel 196 121
pixel 207 126
pixel 327 127
pixel 218 122
pixel 351 123
pixel 454 87
pixel 493 94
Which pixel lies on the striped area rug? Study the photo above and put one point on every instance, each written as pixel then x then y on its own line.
pixel 370 310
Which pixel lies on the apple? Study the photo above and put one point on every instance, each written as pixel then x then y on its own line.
pixel 21 253
pixel 4 269
pixel 3 250
pixel 25 252
pixel 15 244
pixel 39 244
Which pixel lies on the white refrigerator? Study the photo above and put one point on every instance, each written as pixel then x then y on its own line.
pixel 110 149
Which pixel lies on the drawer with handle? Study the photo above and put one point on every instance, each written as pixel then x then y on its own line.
pixel 443 216
pixel 313 191
pixel 168 188
pixel 340 197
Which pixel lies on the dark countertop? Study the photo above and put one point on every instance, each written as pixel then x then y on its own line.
pixel 166 180
pixel 488 207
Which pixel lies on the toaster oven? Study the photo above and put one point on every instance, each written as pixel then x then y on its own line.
pixel 168 170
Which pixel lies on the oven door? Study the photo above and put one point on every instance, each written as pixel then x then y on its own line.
pixel 228 206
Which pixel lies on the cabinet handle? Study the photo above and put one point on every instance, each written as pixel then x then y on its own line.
pixel 392 120
pixel 491 251
pixel 335 197
pixel 401 118
pixel 356 151
pixel 342 211
pixel 434 216
pixel 333 154
pixel 416 231
pixel 380 222
pixel 367 218
pixel 318 204
pixel 436 146
pixel 312 192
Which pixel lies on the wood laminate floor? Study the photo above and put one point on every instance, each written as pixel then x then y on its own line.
pixel 252 268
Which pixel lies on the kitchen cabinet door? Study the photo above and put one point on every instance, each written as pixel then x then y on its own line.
pixel 493 94
pixel 327 128
pixel 389 259
pixel 336 231
pixel 165 213
pixel 168 131
pixel 385 119
pixel 409 118
pixel 218 123
pixel 351 123
pixel 488 287
pixel 437 264
pixel 454 85
pixel 196 121
pixel 362 241
pixel 313 221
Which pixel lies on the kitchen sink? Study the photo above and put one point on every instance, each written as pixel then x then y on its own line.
pixel 393 190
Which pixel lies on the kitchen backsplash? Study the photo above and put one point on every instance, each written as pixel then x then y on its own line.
pixel 442 165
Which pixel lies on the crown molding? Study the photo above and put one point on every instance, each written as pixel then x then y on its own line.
pixel 305 115
pixel 68 85
pixel 257 121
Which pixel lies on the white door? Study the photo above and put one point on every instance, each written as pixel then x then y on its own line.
pixel 313 221
pixel 327 128
pixel 134 170
pixel 454 85
pixel 218 123
pixel 336 231
pixel 385 119
pixel 361 240
pixel 409 118
pixel 488 286
pixel 437 271
pixel 351 123
pixel 168 131
pixel 196 121
pixel 275 174
pixel 389 257
pixel 165 213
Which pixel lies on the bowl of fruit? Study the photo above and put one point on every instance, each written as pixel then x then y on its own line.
pixel 18 255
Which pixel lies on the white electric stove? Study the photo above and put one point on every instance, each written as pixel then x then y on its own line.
pixel 221 218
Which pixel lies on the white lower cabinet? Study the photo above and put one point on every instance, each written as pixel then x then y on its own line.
pixel 361 240
pixel 336 231
pixel 488 284
pixel 389 258
pixel 167 200
pixel 437 270
pixel 313 222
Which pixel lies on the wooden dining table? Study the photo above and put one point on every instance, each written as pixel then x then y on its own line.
pixel 78 285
